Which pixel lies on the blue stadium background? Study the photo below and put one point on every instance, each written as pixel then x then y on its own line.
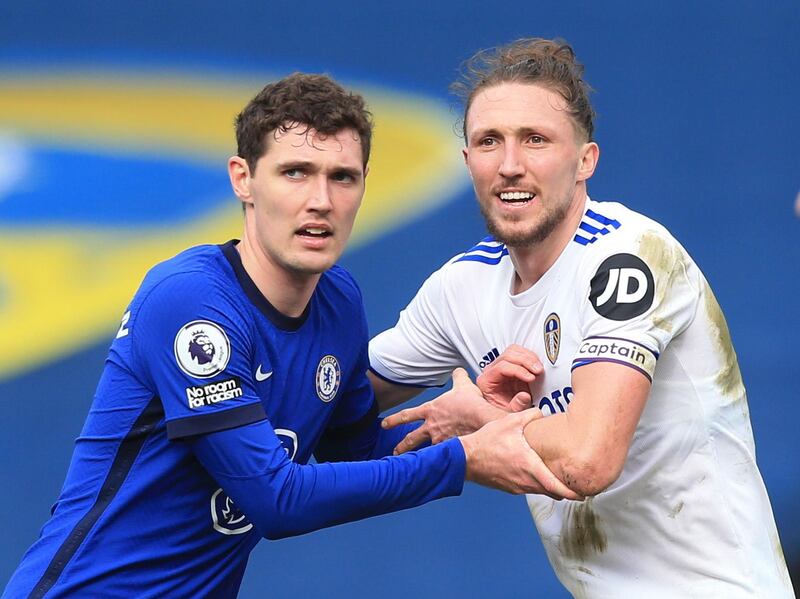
pixel 698 127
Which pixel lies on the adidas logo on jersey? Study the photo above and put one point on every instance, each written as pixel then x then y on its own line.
pixel 489 358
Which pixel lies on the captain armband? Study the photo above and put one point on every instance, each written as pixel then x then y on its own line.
pixel 620 351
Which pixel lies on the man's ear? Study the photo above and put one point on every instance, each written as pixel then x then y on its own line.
pixel 465 154
pixel 590 154
pixel 239 174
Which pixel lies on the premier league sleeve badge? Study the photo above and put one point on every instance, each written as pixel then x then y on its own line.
pixel 202 349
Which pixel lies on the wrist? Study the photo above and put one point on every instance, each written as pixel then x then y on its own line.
pixel 485 414
pixel 471 445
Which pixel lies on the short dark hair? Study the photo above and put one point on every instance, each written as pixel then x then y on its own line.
pixel 301 100
pixel 550 63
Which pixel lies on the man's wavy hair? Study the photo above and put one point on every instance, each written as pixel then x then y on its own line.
pixel 300 100
pixel 550 63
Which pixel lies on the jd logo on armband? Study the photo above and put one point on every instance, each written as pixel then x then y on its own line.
pixel 622 288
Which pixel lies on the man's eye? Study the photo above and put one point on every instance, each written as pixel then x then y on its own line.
pixel 488 141
pixel 536 139
pixel 294 173
pixel 343 177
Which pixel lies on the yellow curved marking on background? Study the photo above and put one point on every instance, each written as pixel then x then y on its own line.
pixel 64 287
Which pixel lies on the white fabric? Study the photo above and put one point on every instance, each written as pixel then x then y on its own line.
pixel 689 516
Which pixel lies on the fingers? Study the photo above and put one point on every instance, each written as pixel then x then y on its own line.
pixel 527 417
pixel 533 474
pixel 404 417
pixel 461 378
pixel 521 401
pixel 503 378
pixel 412 440
pixel 538 470
pixel 549 482
pixel 497 370
pixel 516 354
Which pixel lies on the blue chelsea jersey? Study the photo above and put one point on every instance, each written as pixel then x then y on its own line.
pixel 201 353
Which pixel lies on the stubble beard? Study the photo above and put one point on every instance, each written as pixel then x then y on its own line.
pixel 300 267
pixel 526 237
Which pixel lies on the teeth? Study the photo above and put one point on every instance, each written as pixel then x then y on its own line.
pixel 516 195
pixel 315 231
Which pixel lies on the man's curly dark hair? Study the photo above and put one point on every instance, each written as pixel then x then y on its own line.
pixel 301 100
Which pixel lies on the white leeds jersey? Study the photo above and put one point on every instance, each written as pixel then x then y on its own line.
pixel 689 516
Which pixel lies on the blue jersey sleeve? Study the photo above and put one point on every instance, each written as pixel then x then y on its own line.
pixel 192 341
pixel 282 498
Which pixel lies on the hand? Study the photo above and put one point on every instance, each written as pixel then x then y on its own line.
pixel 506 381
pixel 460 411
pixel 498 456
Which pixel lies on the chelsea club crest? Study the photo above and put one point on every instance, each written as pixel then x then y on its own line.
pixel 328 377
pixel 552 337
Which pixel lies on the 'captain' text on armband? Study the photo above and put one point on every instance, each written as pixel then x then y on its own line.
pixel 618 350
pixel 613 350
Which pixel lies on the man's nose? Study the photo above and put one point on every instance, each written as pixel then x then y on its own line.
pixel 512 165
pixel 320 199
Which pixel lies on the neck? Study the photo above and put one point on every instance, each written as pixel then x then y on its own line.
pixel 289 292
pixel 532 261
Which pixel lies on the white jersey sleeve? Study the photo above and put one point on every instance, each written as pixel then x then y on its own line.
pixel 640 292
pixel 419 350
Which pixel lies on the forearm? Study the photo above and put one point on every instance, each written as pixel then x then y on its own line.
pixel 388 394
pixel 586 447
pixel 558 444
pixel 284 499
pixel 302 498
pixel 585 460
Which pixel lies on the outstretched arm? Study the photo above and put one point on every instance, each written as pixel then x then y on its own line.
pixel 282 498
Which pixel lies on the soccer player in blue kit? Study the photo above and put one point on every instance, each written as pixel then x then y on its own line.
pixel 233 365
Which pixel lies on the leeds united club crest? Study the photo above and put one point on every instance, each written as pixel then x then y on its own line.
pixel 552 337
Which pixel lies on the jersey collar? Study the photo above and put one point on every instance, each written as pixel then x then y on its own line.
pixel 279 319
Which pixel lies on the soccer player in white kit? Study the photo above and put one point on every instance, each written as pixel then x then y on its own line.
pixel 646 412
